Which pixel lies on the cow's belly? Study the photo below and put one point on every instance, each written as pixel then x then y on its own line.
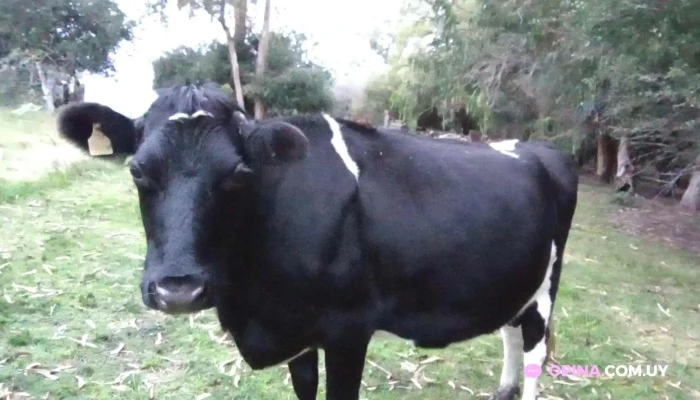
pixel 439 328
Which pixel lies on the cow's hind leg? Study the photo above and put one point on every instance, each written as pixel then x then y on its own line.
pixel 525 340
pixel 512 363
pixel 535 327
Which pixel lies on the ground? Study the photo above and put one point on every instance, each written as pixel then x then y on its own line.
pixel 72 324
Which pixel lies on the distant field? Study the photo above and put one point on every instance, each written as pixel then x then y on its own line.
pixel 72 324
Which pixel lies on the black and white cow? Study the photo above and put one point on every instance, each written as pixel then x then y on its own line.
pixel 308 232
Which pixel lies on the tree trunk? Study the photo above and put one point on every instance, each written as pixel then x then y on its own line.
pixel 240 13
pixel 691 197
pixel 262 58
pixel 625 168
pixel 606 157
pixel 78 90
pixel 46 88
pixel 231 42
pixel 475 136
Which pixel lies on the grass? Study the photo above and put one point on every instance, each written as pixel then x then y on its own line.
pixel 72 324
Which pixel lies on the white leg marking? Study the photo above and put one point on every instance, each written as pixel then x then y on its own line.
pixel 506 147
pixel 544 307
pixel 340 147
pixel 512 356
pixel 535 356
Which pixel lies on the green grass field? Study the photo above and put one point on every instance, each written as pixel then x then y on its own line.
pixel 72 324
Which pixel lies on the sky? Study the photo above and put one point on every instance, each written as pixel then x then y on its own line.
pixel 339 29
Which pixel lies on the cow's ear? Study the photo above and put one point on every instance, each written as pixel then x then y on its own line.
pixel 276 142
pixel 97 129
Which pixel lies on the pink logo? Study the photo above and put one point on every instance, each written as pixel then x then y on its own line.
pixel 533 371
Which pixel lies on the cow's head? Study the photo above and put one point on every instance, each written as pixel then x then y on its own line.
pixel 197 164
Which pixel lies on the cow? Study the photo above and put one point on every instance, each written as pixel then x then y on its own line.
pixel 308 232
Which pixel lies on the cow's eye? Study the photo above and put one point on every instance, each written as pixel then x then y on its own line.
pixel 140 179
pixel 136 172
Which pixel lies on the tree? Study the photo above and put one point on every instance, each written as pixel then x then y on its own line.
pixel 263 49
pixel 291 84
pixel 691 197
pixel 217 9
pixel 61 37
pixel 580 74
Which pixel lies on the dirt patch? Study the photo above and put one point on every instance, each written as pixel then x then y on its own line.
pixel 657 218
pixel 669 224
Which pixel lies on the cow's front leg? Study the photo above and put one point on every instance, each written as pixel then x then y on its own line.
pixel 304 371
pixel 344 366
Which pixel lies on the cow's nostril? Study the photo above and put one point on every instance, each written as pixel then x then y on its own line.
pixel 180 294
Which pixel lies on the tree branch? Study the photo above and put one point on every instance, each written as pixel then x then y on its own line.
pixel 222 19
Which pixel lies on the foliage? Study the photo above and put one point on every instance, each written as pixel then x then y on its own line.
pixel 291 83
pixel 70 35
pixel 66 37
pixel 540 68
pixel 301 89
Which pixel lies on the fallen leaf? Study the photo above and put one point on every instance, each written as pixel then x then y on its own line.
pixel 663 310
pixel 81 381
pixel 32 365
pixel 118 349
pixel 430 360
pixel 46 373
pixel 676 385
pixel 415 382
pixel 379 367
pixel 467 389
pixel 203 396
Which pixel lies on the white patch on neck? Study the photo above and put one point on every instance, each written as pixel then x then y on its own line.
pixel 199 113
pixel 301 353
pixel 506 147
pixel 341 148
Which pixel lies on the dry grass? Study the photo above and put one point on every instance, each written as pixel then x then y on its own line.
pixel 72 325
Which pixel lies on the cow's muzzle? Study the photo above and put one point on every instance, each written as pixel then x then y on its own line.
pixel 178 294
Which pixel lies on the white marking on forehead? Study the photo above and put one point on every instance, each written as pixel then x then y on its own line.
pixel 178 116
pixel 203 113
pixel 341 148
pixel 506 147
pixel 195 115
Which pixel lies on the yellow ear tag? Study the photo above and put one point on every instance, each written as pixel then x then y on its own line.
pixel 98 143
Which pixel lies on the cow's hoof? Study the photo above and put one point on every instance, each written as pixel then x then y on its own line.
pixel 506 393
